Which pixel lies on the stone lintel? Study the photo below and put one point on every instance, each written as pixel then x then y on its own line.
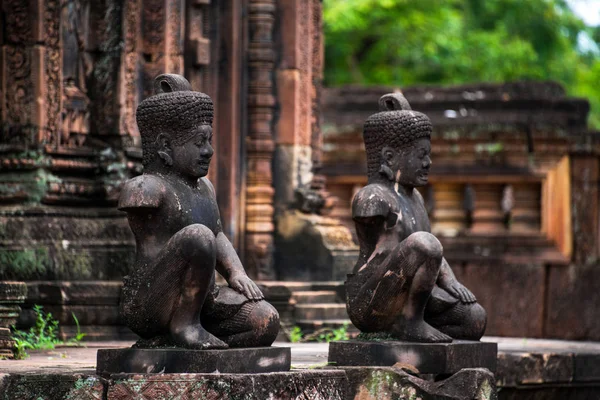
pixel 233 361
pixel 425 358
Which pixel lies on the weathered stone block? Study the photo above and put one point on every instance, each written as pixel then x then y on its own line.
pixel 170 360
pixel 394 383
pixel 521 288
pixel 85 314
pixel 586 367
pixel 568 289
pixel 74 292
pixel 518 368
pixel 51 387
pixel 12 292
pixel 424 358
pixel 332 252
pixel 314 385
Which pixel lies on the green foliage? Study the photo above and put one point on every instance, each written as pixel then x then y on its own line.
pixel 43 335
pixel 335 334
pixel 26 263
pixel 295 334
pixel 405 42
pixel 79 335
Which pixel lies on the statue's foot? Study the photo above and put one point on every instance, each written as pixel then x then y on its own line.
pixel 196 337
pixel 418 331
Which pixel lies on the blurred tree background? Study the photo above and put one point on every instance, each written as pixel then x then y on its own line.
pixel 442 42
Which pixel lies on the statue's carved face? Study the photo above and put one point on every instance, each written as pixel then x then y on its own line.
pixel 410 165
pixel 192 158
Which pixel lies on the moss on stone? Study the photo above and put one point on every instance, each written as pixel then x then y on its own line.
pixel 71 262
pixel 34 183
pixel 25 264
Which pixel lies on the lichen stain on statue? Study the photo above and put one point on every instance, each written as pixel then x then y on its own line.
pixel 402 287
pixel 170 299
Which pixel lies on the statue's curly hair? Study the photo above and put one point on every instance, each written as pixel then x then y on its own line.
pixel 175 110
pixel 396 126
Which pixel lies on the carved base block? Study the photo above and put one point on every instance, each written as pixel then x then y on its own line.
pixel 230 361
pixel 424 358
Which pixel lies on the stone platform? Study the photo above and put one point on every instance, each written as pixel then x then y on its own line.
pixel 527 369
pixel 314 385
pixel 421 358
pixel 173 361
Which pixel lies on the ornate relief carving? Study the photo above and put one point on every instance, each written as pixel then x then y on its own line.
pixel 260 145
pixel 17 96
pixel 106 27
pixel 132 21
pixel 153 26
pixel 53 71
pixel 18 21
pixel 19 87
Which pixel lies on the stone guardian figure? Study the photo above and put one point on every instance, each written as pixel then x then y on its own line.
pixel 402 287
pixel 170 298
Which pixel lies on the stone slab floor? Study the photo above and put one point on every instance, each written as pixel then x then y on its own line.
pixel 527 368
pixel 304 355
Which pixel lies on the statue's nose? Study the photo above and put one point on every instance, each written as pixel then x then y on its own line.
pixel 427 162
pixel 207 151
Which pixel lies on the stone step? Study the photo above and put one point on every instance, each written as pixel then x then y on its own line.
pixel 296 286
pixel 321 311
pixel 312 297
pixel 309 326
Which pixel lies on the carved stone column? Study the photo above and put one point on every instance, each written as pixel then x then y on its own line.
pixel 318 47
pixel 259 143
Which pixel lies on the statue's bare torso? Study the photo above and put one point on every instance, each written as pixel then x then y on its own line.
pixel 383 215
pixel 169 200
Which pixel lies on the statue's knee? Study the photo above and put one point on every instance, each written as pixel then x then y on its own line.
pixel 426 244
pixel 197 240
pixel 477 321
pixel 265 322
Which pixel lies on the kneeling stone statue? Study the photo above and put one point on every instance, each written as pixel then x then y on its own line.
pixel 402 286
pixel 170 298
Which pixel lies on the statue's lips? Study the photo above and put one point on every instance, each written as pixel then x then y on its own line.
pixel 204 163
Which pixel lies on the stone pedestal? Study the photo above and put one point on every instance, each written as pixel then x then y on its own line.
pixel 421 358
pixel 230 361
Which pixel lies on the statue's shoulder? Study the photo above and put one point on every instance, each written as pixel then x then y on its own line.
pixel 373 200
pixel 209 185
pixel 144 191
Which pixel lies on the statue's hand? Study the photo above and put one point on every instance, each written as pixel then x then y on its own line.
pixel 458 290
pixel 246 286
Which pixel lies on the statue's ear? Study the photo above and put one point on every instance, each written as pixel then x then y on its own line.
pixel 388 154
pixel 163 145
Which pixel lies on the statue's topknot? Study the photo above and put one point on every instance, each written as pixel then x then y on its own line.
pixel 396 125
pixel 174 109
